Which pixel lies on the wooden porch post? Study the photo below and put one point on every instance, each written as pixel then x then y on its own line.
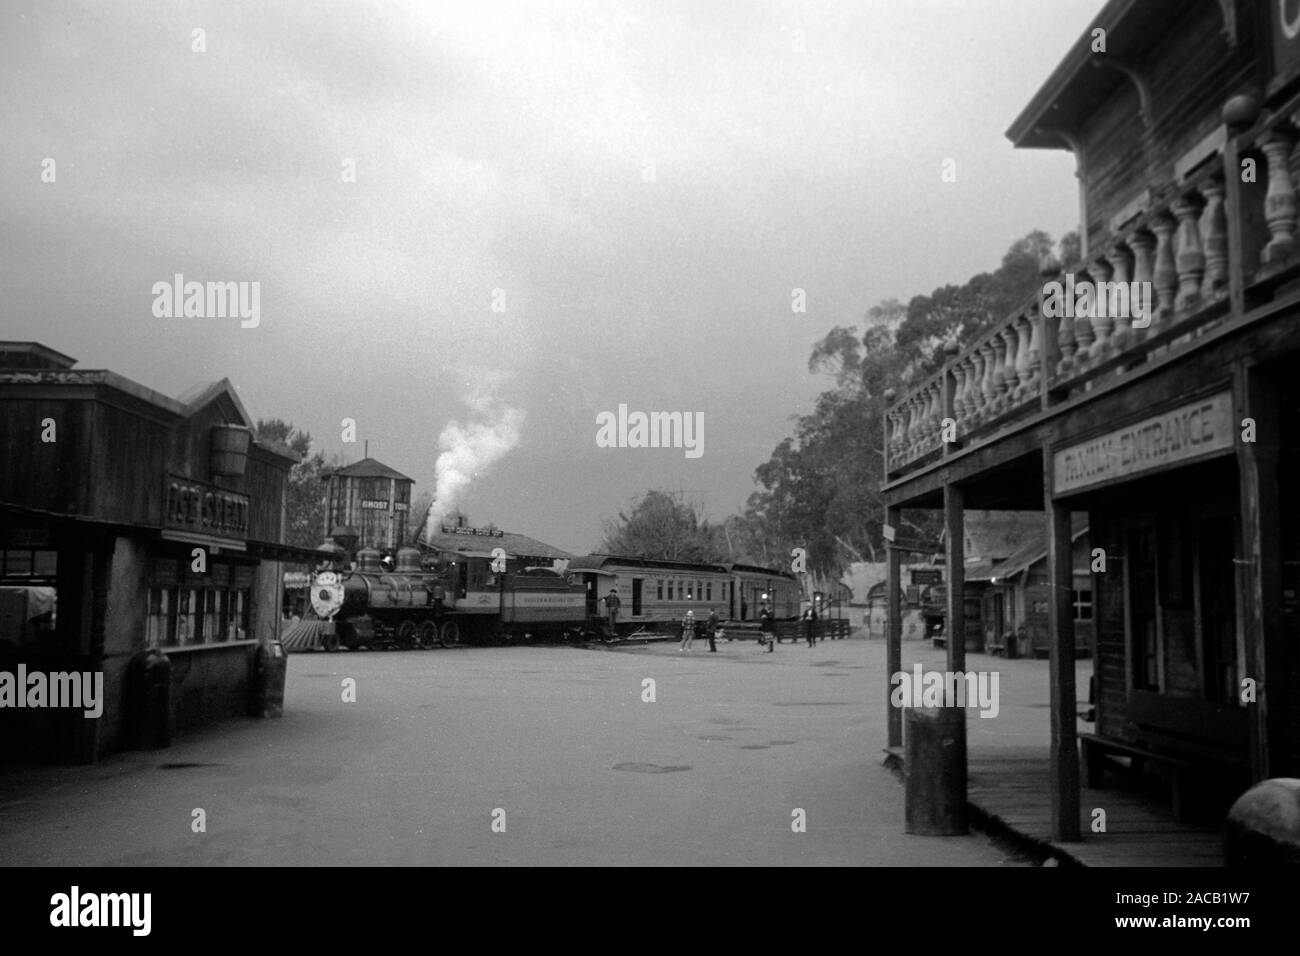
pixel 955 572
pixel 954 506
pixel 1064 773
pixel 1260 565
pixel 893 627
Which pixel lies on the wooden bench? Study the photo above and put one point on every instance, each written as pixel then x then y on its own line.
pixel 1193 739
pixel 1096 749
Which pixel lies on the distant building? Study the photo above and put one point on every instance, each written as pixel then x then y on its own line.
pixel 369 504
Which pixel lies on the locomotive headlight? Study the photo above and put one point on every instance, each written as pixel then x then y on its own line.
pixel 327 594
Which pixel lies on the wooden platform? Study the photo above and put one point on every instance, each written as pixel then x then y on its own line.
pixel 1010 789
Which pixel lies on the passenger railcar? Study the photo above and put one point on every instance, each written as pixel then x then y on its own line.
pixel 654 593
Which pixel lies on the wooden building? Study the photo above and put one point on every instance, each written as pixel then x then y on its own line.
pixel 128 521
pixel 1176 440
pixel 370 502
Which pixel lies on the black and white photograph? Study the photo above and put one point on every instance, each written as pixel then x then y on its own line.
pixel 530 434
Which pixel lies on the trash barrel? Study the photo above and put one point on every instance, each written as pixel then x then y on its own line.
pixel 149 700
pixel 270 667
pixel 935 768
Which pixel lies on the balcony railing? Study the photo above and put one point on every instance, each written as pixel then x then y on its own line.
pixel 1180 243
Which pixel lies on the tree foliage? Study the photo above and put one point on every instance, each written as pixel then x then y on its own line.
pixel 305 495
pixel 820 489
pixel 664 527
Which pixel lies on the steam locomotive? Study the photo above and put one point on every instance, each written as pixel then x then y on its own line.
pixel 428 600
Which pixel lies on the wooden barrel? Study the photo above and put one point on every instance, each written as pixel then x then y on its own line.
pixel 934 766
pixel 229 453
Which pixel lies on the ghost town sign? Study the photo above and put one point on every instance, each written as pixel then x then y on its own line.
pixel 1181 434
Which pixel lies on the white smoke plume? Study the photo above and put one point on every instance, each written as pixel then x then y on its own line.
pixel 469 450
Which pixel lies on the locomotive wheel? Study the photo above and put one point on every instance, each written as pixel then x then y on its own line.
pixel 406 634
pixel 428 634
pixel 449 633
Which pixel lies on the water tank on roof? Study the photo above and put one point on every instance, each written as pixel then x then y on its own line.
pixel 229 450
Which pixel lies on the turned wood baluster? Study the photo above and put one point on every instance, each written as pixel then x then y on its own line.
pixel 970 395
pixel 1065 344
pixel 1083 325
pixel 987 387
pixel 959 393
pixel 1143 243
pixel 909 427
pixel 926 428
pixel 1280 200
pixel 1121 260
pixel 1034 315
pixel 1009 374
pixel 1020 324
pixel 1165 274
pixel 999 373
pixel 1214 228
pixel 936 411
pixel 1190 260
pixel 975 388
pixel 1102 318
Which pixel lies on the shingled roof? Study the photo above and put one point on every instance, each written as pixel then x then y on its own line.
pixel 369 468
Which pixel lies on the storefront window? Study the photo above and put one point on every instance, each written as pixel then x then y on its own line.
pixel 213 602
pixel 161 623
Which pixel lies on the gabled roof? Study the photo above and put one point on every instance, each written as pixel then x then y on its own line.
pixel 370 468
pixel 202 395
pixel 1033 550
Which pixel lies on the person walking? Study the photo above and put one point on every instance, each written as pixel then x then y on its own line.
pixel 688 631
pixel 612 604
pixel 808 626
pixel 711 627
pixel 767 626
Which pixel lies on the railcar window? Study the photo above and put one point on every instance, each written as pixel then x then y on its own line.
pixel 659 589
pixel 708 591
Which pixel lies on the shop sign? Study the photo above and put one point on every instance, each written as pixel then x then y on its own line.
pixel 205 509
pixel 1186 433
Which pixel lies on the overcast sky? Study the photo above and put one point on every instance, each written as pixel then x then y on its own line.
pixel 640 185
